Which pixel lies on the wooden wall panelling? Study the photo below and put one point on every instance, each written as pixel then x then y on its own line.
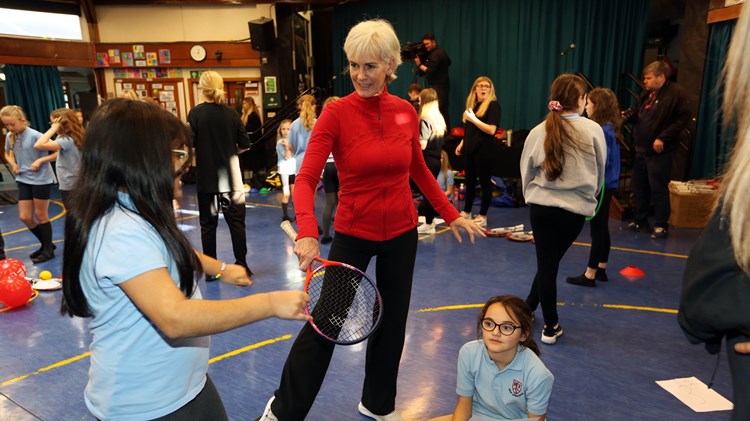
pixel 234 54
pixel 46 52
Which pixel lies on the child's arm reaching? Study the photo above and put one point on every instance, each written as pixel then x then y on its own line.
pixel 157 296
pixel 463 409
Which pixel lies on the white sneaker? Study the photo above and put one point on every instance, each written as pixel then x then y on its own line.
pixel 481 221
pixel 426 228
pixel 393 416
pixel 267 413
pixel 438 221
pixel 466 215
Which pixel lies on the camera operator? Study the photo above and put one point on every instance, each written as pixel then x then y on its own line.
pixel 434 66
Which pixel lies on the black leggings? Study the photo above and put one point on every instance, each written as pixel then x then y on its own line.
pixel 555 229
pixel 232 206
pixel 600 240
pixel 478 165
pixel 308 360
pixel 207 405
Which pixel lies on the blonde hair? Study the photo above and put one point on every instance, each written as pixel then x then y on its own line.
pixel 278 131
pixel 306 105
pixel 69 125
pixel 445 165
pixel 430 111
pixel 736 107
pixel 16 112
pixel 253 108
pixel 211 86
pixel 471 100
pixel 329 100
pixel 375 37
pixel 129 94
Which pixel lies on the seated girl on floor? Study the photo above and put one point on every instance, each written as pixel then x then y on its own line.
pixel 500 376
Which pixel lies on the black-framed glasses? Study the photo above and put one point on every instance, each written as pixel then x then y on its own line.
pixel 506 328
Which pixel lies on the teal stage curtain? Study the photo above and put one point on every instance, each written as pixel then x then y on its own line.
pixel 712 141
pixel 517 43
pixel 36 89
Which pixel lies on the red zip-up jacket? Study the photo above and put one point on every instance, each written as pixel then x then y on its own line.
pixel 375 144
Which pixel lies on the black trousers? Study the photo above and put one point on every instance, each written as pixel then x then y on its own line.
pixel 233 207
pixel 308 360
pixel 555 229
pixel 600 239
pixel 651 184
pixel 478 165
pixel 207 405
pixel 2 246
pixel 425 208
pixel 739 367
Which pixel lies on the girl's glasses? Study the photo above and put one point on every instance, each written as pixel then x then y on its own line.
pixel 506 328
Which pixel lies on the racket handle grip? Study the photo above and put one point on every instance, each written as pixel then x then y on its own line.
pixel 289 230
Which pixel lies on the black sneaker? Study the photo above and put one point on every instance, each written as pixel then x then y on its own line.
pixel 601 275
pixel 550 334
pixel 581 280
pixel 659 232
pixel 36 254
pixel 45 255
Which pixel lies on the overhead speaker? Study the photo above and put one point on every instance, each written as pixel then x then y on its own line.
pixel 261 34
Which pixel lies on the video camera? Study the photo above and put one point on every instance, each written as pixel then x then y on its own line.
pixel 413 49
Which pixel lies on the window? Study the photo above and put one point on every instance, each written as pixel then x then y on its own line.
pixel 40 24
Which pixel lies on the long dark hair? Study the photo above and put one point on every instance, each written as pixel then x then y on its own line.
pixel 519 311
pixel 566 90
pixel 129 147
pixel 606 109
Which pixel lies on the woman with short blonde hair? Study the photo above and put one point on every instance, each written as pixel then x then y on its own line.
pixel 374 138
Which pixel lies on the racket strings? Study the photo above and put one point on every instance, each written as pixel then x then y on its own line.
pixel 344 304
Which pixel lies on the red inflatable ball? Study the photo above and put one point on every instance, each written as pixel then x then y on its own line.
pixel 15 291
pixel 12 267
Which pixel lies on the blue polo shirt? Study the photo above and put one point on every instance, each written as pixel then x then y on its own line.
pixel 68 161
pixel 26 154
pixel 523 387
pixel 136 372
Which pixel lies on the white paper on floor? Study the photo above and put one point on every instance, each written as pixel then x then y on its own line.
pixel 696 395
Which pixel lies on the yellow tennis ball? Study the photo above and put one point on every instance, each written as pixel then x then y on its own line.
pixel 45 275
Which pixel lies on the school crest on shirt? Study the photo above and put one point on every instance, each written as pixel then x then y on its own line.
pixel 516 389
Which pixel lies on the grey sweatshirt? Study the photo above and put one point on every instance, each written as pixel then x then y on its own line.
pixel 583 172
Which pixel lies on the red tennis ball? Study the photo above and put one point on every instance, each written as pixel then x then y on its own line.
pixel 12 267
pixel 14 291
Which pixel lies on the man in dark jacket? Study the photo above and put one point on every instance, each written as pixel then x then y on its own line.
pixel 435 69
pixel 659 118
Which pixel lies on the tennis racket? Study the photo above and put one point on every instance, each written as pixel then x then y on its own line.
pixel 501 232
pixel 521 236
pixel 345 304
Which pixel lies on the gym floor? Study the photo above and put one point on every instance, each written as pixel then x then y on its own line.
pixel 620 337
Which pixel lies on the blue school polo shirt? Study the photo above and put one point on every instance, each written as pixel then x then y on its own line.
pixel 26 154
pixel 523 387
pixel 136 372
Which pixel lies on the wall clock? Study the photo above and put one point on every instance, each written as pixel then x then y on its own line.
pixel 198 52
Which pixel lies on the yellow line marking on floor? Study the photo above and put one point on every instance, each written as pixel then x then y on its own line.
pixel 49 367
pixel 249 348
pixel 612 306
pixel 657 253
pixel 88 354
pixel 54 218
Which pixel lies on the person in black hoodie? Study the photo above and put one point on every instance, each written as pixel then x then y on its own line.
pixel 218 136
pixel 660 116
pixel 716 286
